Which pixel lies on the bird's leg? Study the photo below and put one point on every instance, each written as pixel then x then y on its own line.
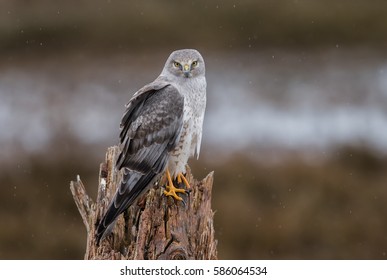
pixel 181 178
pixel 172 190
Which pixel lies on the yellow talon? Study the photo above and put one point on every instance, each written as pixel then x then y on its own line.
pixel 172 190
pixel 180 178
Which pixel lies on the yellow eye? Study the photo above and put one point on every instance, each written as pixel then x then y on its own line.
pixel 176 64
pixel 195 63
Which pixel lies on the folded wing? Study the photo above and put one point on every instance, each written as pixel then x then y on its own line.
pixel 150 129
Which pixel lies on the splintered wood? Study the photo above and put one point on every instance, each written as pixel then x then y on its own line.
pixel 156 226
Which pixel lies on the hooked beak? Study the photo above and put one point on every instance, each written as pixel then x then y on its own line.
pixel 186 70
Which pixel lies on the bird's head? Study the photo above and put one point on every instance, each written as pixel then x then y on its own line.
pixel 186 63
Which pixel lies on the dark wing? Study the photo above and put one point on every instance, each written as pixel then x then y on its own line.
pixel 150 129
pixel 151 124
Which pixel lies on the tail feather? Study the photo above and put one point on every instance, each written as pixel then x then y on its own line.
pixel 133 184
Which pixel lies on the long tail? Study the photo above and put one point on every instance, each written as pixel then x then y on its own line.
pixel 132 186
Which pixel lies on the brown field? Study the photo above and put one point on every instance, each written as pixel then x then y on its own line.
pixel 334 208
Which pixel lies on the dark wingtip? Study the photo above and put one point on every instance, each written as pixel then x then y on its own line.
pixel 98 239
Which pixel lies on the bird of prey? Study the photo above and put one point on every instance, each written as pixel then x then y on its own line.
pixel 160 130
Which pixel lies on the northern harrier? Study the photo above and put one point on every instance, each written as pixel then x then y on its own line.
pixel 160 130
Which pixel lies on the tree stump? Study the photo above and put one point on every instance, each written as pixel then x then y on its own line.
pixel 156 226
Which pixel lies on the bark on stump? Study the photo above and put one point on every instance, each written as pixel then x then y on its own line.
pixel 156 227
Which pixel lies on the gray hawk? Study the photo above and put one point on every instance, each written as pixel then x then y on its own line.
pixel 160 130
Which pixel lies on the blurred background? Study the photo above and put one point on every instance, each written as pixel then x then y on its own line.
pixel 295 127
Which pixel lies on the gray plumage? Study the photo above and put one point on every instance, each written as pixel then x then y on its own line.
pixel 160 130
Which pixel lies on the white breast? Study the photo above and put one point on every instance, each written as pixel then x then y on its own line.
pixel 191 134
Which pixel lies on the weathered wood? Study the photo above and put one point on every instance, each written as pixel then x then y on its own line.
pixel 156 226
